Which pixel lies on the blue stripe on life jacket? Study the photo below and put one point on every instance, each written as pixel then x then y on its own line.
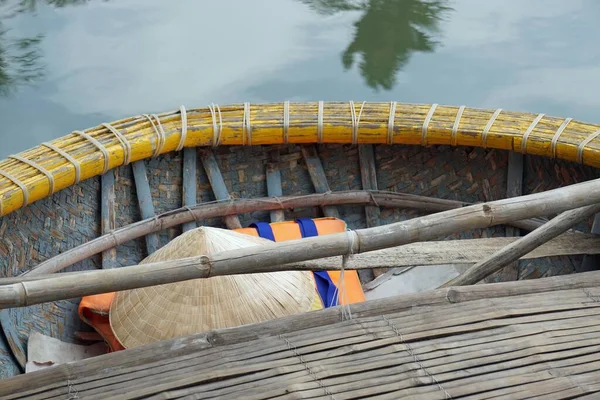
pixel 264 230
pixel 325 285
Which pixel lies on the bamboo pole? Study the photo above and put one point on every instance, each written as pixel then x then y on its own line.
pixel 239 206
pixel 272 257
pixel 462 251
pixel 524 245
pixel 217 183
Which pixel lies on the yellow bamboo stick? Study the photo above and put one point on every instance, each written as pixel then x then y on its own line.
pixel 370 123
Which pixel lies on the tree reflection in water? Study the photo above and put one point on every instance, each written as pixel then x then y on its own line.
pixel 386 34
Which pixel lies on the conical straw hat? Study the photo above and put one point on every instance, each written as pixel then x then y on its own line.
pixel 149 314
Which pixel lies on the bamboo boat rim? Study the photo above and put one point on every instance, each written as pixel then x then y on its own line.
pixel 52 166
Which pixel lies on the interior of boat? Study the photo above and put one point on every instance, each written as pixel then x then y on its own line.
pixel 458 239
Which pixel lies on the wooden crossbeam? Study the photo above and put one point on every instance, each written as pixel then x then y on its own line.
pixel 190 188
pixel 217 183
pixel 368 177
pixel 317 176
pixel 272 257
pixel 202 211
pixel 107 213
pixel 144 196
pixel 462 251
pixel 274 188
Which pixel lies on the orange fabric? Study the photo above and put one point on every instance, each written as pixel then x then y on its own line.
pixel 326 226
pixel 290 230
pixel 94 309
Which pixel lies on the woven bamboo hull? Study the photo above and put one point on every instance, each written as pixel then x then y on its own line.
pixel 72 216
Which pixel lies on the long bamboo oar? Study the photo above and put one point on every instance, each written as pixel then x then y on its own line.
pixel 272 257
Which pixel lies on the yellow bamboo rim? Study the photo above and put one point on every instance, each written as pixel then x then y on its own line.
pixel 141 137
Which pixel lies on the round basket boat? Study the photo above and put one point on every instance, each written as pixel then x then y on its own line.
pixel 113 194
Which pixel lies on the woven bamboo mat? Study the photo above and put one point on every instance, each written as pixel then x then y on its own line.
pixel 518 340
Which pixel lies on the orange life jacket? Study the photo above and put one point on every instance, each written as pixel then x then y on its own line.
pixel 94 310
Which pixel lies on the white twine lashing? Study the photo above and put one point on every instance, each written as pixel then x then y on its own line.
pixel 72 394
pixel 98 145
pixel 20 184
pixel 158 131
pixel 487 128
pixel 355 120
pixel 246 127
pixel 559 132
pixel 295 352
pixel 124 142
pixel 426 124
pixel 69 158
pixel 320 122
pixel 391 122
pixel 528 132
pixel 184 128
pixel 217 128
pixel 453 138
pixel 286 121
pixel 340 290
pixel 39 168
pixel 416 359
pixel 582 145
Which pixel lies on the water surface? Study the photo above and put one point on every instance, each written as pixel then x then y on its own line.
pixel 72 64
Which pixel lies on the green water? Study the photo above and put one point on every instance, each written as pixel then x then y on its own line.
pixel 72 64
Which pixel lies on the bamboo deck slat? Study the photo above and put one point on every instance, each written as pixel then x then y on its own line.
pixel 518 340
pixel 266 125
